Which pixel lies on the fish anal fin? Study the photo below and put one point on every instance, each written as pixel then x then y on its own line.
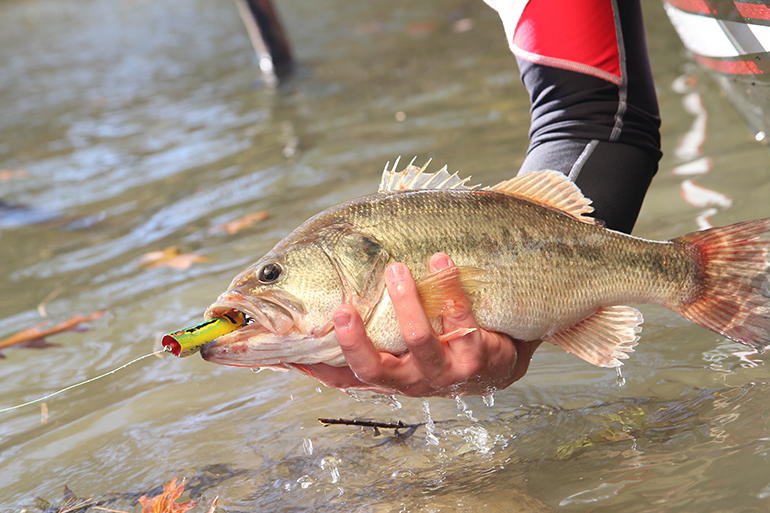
pixel 604 338
pixel 551 189
pixel 449 291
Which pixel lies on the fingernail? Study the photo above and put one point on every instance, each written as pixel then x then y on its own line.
pixel 440 261
pixel 397 271
pixel 342 320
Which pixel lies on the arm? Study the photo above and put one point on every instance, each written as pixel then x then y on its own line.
pixel 475 364
pixel 600 127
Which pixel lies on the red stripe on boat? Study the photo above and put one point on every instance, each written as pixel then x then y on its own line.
pixel 730 67
pixel 693 6
pixel 723 8
pixel 756 11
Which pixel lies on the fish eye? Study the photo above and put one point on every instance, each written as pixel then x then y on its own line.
pixel 269 273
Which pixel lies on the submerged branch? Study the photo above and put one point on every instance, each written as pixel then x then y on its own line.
pixel 364 423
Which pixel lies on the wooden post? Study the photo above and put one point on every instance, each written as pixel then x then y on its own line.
pixel 267 37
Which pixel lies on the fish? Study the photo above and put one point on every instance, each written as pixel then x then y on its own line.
pixel 530 262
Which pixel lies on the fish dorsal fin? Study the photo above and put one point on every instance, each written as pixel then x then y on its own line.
pixel 604 338
pixel 551 189
pixel 415 178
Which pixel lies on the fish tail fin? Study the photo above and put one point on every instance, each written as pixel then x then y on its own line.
pixel 734 298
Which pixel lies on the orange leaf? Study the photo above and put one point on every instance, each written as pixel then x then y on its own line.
pixel 242 222
pixel 421 28
pixel 166 501
pixel 37 333
pixel 213 505
pixel 12 174
pixel 170 257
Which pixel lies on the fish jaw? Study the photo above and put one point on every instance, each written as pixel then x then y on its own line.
pixel 261 348
pixel 273 336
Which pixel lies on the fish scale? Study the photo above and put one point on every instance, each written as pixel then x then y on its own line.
pixel 554 268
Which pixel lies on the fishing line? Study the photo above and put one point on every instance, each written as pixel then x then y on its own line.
pixel 154 353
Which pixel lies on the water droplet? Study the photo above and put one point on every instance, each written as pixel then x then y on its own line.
pixel 257 369
pixel 489 399
pixel 621 381
pixel 307 446
pixel 463 407
pixel 331 464
pixel 430 427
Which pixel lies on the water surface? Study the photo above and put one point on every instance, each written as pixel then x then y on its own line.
pixel 133 126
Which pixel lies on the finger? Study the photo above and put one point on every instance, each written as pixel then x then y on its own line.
pixel 357 348
pixel 416 329
pixel 524 352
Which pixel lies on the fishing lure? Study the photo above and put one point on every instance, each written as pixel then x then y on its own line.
pixel 190 340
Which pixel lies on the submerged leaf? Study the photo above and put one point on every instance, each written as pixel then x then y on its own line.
pixel 239 224
pixel 12 174
pixel 35 336
pixel 166 501
pixel 170 257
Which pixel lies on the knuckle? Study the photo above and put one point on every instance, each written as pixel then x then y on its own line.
pixel 419 337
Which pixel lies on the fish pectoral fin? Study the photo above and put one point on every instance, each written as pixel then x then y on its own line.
pixel 604 338
pixel 449 291
pixel 550 189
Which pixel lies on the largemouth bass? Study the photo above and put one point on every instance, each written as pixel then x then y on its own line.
pixel 531 264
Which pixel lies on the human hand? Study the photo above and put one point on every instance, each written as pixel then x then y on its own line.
pixel 474 364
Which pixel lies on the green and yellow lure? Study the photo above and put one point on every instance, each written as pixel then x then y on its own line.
pixel 190 340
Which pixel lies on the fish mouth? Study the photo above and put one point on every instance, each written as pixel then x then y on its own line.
pixel 267 312
pixel 272 335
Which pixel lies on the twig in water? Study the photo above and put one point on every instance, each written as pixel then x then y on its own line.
pixel 374 424
pixel 363 423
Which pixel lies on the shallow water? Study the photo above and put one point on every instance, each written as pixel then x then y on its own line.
pixel 129 127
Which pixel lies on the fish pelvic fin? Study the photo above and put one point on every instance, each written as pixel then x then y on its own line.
pixel 455 334
pixel 449 291
pixel 734 282
pixel 550 189
pixel 604 338
pixel 415 178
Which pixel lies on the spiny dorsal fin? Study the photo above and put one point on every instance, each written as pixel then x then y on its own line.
pixel 604 338
pixel 551 189
pixel 414 178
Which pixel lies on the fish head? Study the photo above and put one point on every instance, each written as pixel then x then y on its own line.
pixel 288 299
